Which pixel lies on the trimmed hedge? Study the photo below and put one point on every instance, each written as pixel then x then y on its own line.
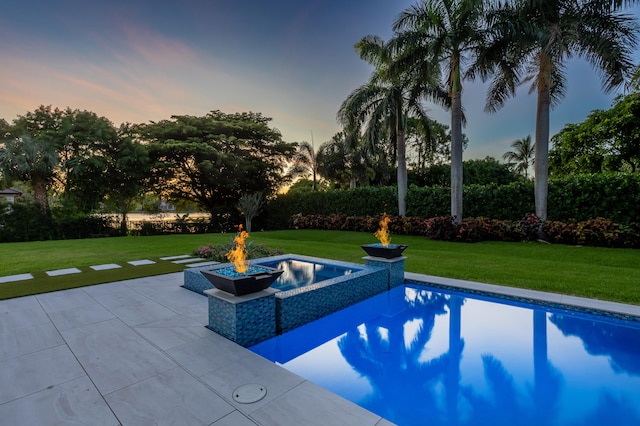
pixel 613 196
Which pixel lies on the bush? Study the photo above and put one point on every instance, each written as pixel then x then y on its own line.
pixel 218 252
pixel 597 232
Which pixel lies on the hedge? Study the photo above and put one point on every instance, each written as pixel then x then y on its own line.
pixel 575 198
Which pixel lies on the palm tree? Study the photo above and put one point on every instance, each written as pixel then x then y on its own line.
pixel 383 104
pixel 30 160
pixel 305 163
pixel 522 155
pixel 445 33
pixel 532 41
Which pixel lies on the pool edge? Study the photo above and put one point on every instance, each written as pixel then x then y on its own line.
pixel 595 306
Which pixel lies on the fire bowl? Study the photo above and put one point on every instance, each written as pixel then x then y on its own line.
pixel 258 278
pixel 389 252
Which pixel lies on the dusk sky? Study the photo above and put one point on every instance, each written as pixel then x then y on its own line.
pixel 291 60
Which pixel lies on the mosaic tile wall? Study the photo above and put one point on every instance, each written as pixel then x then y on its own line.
pixel 195 281
pixel 303 305
pixel 245 322
pixel 395 268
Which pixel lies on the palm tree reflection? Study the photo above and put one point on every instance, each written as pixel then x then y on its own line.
pixel 620 344
pixel 378 351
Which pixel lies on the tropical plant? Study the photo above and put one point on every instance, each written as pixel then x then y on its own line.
pixel 521 157
pixel 531 42
pixel 250 205
pixel 30 160
pixel 304 163
pixel 384 104
pixel 446 33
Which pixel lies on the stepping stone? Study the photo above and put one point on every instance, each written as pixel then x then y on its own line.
pixel 105 267
pixel 188 260
pixel 67 271
pixel 182 256
pixel 141 262
pixel 194 265
pixel 13 278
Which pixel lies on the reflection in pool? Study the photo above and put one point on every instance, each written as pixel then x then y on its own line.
pixel 299 273
pixel 418 356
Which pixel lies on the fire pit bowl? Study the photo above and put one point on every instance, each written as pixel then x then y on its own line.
pixel 386 252
pixel 257 278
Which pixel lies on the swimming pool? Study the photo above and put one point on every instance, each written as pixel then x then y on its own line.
pixel 420 355
pixel 300 273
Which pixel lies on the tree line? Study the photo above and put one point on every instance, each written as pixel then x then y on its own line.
pixel 437 46
pixel 88 163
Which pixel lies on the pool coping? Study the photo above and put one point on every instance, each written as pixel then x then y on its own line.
pixel 582 304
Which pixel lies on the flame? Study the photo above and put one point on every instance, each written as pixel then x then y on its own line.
pixel 238 254
pixel 382 234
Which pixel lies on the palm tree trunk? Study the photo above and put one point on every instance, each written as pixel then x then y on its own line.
pixel 40 195
pixel 542 138
pixel 456 156
pixel 402 173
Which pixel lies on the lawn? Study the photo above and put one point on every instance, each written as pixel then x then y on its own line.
pixel 608 274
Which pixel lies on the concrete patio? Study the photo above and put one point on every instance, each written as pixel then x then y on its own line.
pixel 137 353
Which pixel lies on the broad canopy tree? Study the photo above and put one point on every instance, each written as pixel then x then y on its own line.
pixel 79 138
pixel 607 141
pixel 214 159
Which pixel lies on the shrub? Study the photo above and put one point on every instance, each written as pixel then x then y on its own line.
pixel 597 232
pixel 218 252
pixel 441 228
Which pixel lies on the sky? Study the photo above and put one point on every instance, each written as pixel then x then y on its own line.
pixel 291 60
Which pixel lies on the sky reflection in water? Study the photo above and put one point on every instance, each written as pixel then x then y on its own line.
pixel 416 356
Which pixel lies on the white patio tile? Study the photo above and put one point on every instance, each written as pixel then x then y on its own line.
pixel 14 278
pixel 26 374
pixel 182 256
pixel 105 267
pixel 115 356
pixel 141 262
pixel 174 396
pixel 67 271
pixel 74 402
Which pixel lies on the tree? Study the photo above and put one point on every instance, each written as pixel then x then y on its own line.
pixel 126 172
pixel 384 103
pixel 79 138
pixel 476 172
pixel 447 33
pixel 532 41
pixel 214 159
pixel 332 162
pixel 521 157
pixel 30 160
pixel 250 205
pixel 607 141
pixel 305 163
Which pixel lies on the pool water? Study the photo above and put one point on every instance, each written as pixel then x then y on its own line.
pixel 420 356
pixel 300 273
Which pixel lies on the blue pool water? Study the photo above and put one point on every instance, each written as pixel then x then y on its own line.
pixel 300 273
pixel 421 356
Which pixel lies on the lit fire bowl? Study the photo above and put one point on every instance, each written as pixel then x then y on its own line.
pixel 257 278
pixel 389 252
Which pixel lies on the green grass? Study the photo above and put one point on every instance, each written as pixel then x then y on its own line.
pixel 608 274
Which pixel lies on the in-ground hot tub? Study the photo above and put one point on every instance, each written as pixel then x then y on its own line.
pixel 310 287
